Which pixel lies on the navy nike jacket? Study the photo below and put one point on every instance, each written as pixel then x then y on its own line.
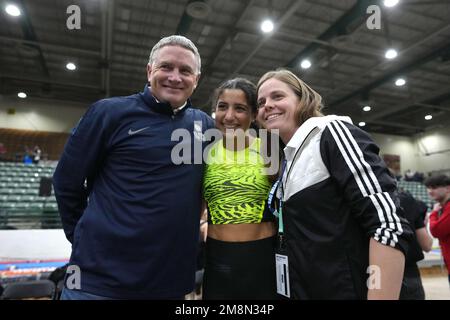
pixel 130 212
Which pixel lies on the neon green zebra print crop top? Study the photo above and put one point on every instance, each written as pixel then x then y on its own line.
pixel 235 186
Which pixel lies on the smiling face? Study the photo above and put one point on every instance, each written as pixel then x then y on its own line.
pixel 233 112
pixel 277 105
pixel 172 75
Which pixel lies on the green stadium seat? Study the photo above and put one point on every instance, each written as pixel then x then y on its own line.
pixel 23 174
pixel 31 191
pixel 3 184
pixel 12 185
pixel 14 198
pixel 50 207
pixel 25 185
pixel 3 197
pixel 22 205
pixel 417 190
pixel 28 198
pixel 40 199
pixel 10 164
pixel 7 205
pixel 20 191
pixel 6 191
pixel 36 206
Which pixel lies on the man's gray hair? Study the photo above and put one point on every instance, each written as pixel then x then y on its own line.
pixel 176 40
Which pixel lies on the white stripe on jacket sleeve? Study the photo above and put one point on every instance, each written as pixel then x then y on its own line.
pixel 368 184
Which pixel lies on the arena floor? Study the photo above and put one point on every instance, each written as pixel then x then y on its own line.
pixel 435 283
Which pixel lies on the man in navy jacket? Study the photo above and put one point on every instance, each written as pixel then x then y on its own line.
pixel 130 211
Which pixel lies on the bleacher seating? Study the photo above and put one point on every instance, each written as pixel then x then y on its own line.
pixel 417 190
pixel 34 289
pixel 21 206
pixel 20 203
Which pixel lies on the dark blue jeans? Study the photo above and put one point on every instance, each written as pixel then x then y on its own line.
pixel 69 294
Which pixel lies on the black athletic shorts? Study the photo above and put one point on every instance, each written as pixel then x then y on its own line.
pixel 240 270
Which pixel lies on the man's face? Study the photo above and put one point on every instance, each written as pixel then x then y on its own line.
pixel 439 194
pixel 173 75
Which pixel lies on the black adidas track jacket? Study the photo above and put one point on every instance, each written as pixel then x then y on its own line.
pixel 338 194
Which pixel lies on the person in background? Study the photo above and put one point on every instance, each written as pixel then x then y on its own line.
pixel 137 236
pixel 240 244
pixel 3 151
pixel 36 154
pixel 415 213
pixel 341 232
pixel 439 190
pixel 27 156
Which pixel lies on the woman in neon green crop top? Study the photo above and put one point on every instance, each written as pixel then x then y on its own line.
pixel 240 260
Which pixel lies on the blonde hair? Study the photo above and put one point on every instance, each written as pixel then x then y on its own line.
pixel 310 104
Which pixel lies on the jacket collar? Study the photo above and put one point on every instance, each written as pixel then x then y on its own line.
pixel 305 129
pixel 161 107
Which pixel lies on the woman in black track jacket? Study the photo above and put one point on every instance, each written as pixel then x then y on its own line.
pixel 342 234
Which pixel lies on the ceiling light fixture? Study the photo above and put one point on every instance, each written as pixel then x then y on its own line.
pixel 400 82
pixel 22 95
pixel 71 66
pixel 391 54
pixel 267 26
pixel 305 64
pixel 428 117
pixel 362 124
pixel 13 10
pixel 367 108
pixel 390 3
pixel 198 9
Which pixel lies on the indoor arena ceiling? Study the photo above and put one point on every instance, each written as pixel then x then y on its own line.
pixel 348 64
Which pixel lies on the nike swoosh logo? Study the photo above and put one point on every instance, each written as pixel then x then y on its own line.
pixel 131 132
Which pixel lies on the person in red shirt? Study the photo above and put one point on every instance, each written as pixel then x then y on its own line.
pixel 439 190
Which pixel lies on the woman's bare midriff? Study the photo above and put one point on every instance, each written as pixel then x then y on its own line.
pixel 241 232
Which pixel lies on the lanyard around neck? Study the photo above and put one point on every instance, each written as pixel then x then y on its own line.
pixel 278 213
